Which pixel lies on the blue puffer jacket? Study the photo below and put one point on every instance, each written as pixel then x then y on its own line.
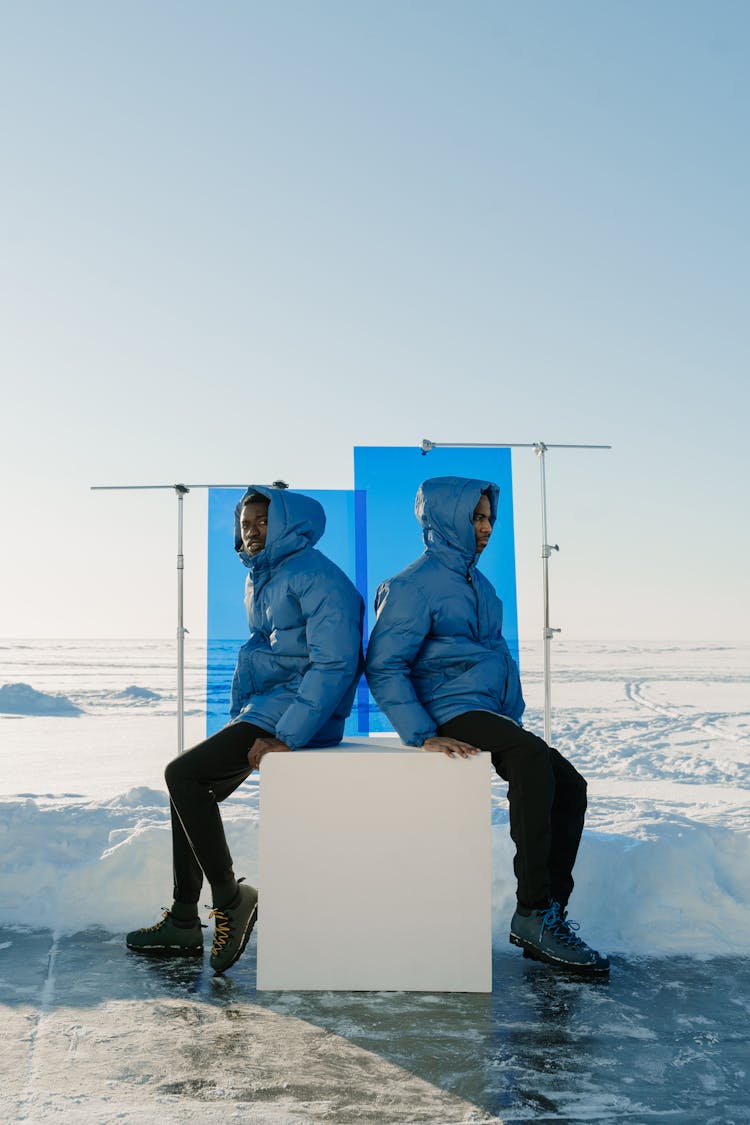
pixel 437 647
pixel 297 674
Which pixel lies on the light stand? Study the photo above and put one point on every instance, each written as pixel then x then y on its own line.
pixel 540 448
pixel 180 490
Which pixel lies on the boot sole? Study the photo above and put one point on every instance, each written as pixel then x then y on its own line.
pixel 167 950
pixel 536 954
pixel 245 938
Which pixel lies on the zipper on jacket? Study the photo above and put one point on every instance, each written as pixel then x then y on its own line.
pixel 470 580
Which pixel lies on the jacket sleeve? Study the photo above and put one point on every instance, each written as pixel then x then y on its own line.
pixel 510 686
pixel 235 705
pixel 332 611
pixel 513 701
pixel 403 622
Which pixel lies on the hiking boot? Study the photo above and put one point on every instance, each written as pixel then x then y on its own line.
pixel 167 937
pixel 234 925
pixel 547 935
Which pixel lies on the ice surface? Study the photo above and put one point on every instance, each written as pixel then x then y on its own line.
pixel 95 1033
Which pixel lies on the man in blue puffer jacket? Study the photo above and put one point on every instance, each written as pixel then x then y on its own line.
pixel 293 687
pixel 439 667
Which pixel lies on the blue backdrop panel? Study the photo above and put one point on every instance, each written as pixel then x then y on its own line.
pixel 389 478
pixel 227 622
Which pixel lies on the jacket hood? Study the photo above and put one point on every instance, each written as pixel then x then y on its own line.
pixel 295 521
pixel 445 508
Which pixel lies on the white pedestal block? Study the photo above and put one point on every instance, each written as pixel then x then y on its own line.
pixel 375 870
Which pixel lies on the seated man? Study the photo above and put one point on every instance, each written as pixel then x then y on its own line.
pixel 439 667
pixel 293 686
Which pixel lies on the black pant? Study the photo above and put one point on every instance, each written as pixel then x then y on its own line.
pixel 197 780
pixel 547 799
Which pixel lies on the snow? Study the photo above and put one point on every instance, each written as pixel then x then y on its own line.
pixel 661 733
pixel 21 699
pixel 135 692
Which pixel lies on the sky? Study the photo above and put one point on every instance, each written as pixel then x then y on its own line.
pixel 239 239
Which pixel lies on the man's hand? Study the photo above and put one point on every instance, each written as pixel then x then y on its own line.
pixel 450 746
pixel 263 746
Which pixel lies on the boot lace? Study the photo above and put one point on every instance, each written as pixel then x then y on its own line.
pixel 560 927
pixel 158 925
pixel 222 931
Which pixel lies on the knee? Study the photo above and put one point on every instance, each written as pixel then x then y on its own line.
pixel 172 773
pixel 536 755
pixel 529 762
pixel 580 798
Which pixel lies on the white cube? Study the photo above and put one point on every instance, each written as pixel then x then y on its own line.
pixel 375 870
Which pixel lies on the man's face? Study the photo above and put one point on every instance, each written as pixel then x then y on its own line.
pixel 482 525
pixel 254 526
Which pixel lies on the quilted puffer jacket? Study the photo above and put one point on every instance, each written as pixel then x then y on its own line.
pixel 437 648
pixel 297 674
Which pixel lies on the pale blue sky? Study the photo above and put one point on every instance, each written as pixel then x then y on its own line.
pixel 238 239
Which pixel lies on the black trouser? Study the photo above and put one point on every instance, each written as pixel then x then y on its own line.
pixel 197 780
pixel 547 799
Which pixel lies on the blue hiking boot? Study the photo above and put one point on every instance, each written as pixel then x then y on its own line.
pixel 547 935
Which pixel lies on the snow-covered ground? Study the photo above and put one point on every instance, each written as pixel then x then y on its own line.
pixel 661 731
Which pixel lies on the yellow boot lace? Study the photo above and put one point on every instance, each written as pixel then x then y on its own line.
pixel 158 925
pixel 222 931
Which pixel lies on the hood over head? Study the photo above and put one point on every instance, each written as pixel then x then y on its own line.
pixel 295 521
pixel 445 508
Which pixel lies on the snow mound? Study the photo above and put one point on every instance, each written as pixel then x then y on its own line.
pixel 98 865
pixel 21 699
pixel 677 887
pixel 140 797
pixel 137 693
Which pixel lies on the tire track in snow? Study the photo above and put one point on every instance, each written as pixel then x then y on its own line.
pixel 635 692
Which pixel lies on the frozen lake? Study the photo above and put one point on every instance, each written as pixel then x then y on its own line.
pixel 663 884
pixel 93 1033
